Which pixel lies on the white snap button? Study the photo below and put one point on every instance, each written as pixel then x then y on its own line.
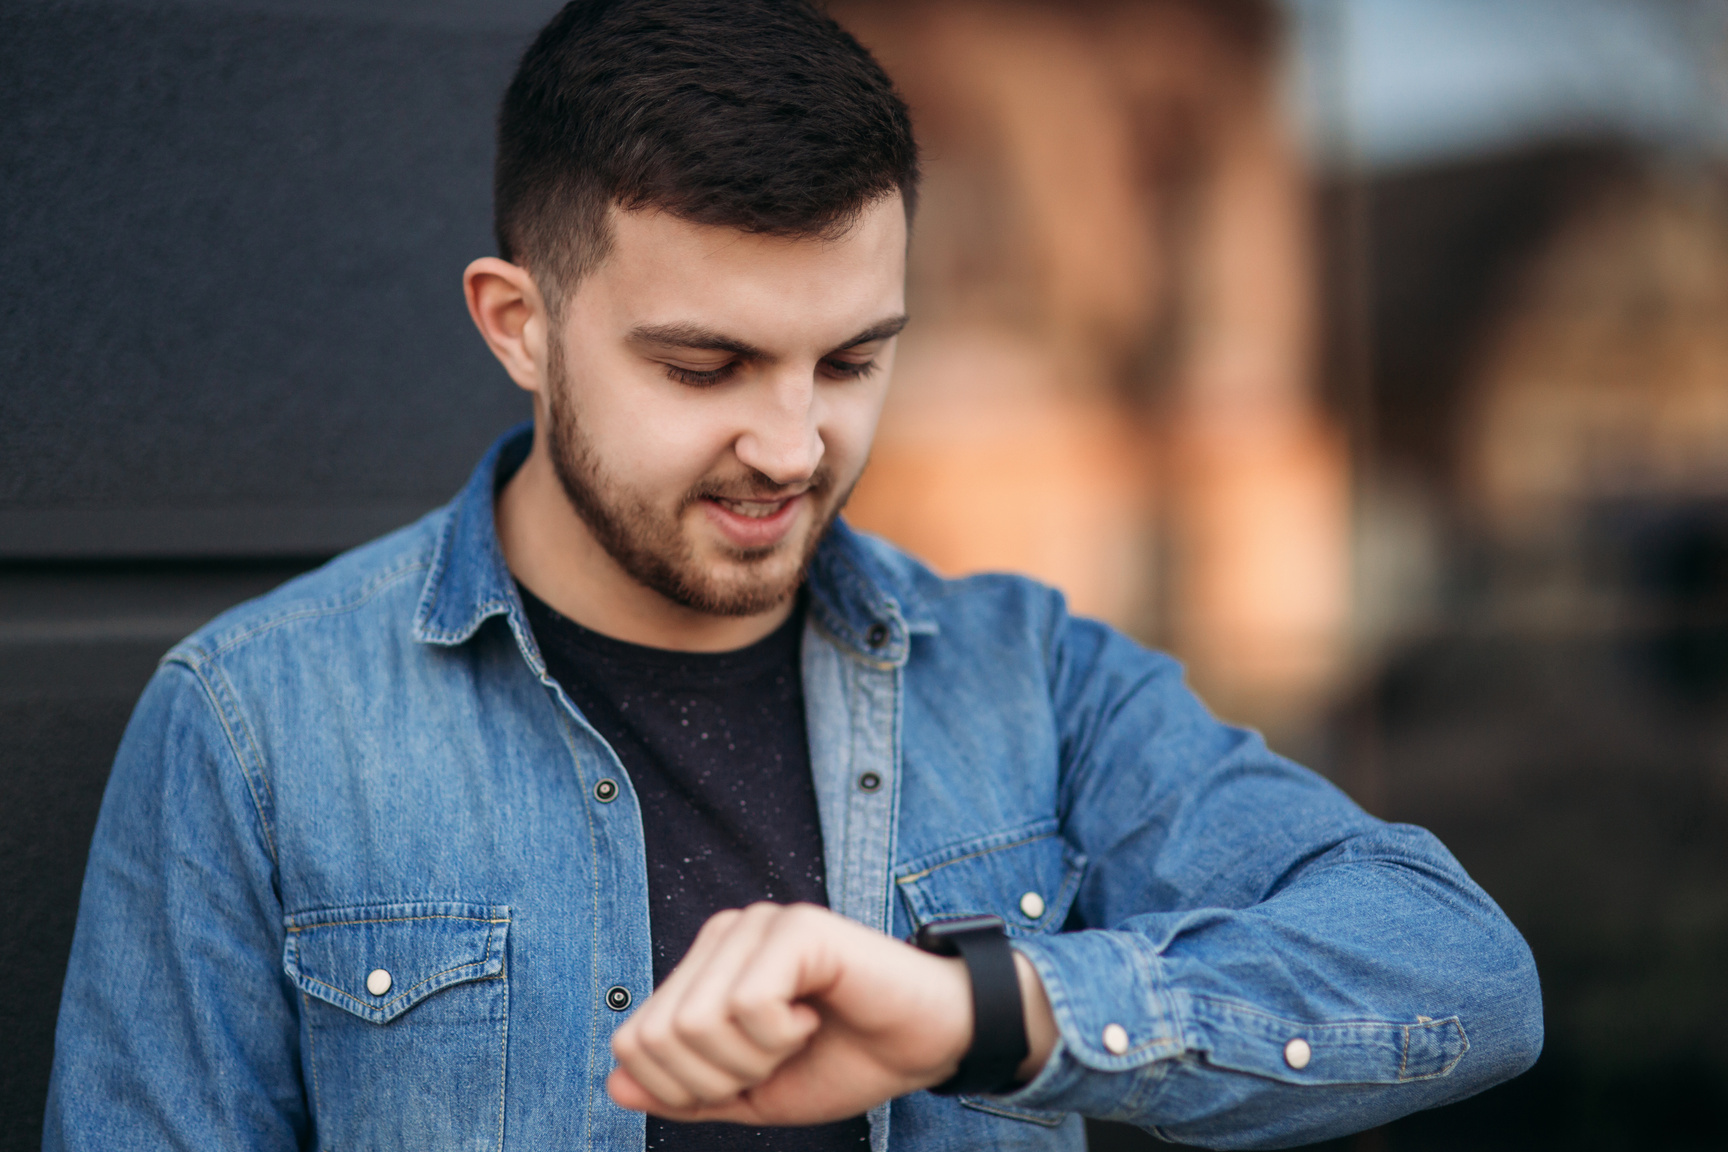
pixel 1032 905
pixel 378 982
pixel 1297 1053
pixel 1115 1039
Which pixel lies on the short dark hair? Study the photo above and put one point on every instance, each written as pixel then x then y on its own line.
pixel 760 115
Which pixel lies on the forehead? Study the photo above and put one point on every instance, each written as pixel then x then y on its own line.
pixel 772 291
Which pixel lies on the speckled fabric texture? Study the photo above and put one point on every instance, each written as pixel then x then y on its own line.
pixel 716 748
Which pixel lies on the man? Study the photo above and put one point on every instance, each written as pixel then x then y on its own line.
pixel 599 806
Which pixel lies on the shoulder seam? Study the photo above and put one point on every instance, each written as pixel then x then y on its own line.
pixel 194 654
pixel 251 768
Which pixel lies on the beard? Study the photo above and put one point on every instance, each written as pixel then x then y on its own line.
pixel 651 543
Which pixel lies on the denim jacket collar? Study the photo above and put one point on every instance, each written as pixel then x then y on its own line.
pixel 469 582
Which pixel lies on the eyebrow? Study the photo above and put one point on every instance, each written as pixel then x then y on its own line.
pixel 696 337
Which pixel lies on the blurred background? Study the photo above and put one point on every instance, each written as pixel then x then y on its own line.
pixel 1370 355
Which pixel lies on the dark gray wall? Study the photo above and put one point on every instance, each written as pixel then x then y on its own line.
pixel 230 310
pixel 232 342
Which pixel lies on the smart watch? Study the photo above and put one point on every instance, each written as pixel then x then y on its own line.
pixel 998 1017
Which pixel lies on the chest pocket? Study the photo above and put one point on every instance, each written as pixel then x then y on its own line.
pixel 1028 878
pixel 405 1007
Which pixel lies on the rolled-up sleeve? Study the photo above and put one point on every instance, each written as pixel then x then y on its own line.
pixel 1259 963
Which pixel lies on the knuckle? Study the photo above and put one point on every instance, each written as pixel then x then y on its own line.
pixel 656 1039
pixel 807 915
pixel 754 1003
pixel 693 1023
pixel 719 923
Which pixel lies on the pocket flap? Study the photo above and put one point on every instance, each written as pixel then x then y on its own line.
pixel 416 948
pixel 1029 879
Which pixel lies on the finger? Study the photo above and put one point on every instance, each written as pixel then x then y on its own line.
pixel 653 1051
pixel 705 1016
pixel 679 1046
pixel 796 960
pixel 648 1072
pixel 772 1023
pixel 627 1093
pixel 709 937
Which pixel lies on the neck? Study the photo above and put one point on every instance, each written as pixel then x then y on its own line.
pixel 551 550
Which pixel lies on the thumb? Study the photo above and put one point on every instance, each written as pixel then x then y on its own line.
pixel 626 1092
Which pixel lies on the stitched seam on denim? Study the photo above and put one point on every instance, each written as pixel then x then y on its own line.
pixel 919 875
pixel 1148 1079
pixel 440 561
pixel 1463 1047
pixel 483 612
pixel 1052 920
pixel 409 992
pixel 396 920
pixel 1404 1056
pixel 220 705
pixel 1024 1115
pixel 567 730
pixel 256 774
pixel 1061 1002
pixel 1464 1041
pixel 372 588
pixel 898 687
pixel 1330 1025
pixel 311 1058
pixel 503 1058
pixel 848 646
pixel 1056 910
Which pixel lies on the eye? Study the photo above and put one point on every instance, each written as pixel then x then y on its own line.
pixel 702 379
pixel 849 369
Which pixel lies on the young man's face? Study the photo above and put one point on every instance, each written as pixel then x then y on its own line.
pixel 712 396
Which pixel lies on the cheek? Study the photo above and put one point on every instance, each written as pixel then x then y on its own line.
pixel 849 425
pixel 651 440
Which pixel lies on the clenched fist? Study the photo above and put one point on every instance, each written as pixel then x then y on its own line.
pixel 794 1015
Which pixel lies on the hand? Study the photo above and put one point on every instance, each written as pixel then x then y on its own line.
pixel 795 1015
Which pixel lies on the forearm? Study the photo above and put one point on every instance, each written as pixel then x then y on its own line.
pixel 1367 989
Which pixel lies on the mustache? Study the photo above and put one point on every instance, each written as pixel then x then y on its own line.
pixel 759 487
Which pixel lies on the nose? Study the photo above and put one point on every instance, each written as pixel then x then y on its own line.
pixel 783 440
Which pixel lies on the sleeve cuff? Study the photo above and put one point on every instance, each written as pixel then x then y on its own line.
pixel 1116 1020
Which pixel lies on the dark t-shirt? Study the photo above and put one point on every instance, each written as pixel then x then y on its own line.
pixel 716 749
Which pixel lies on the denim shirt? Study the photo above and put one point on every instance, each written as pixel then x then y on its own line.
pixel 355 884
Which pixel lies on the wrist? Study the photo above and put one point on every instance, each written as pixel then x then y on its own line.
pixel 1040 1020
pixel 956 1005
pixel 998 1045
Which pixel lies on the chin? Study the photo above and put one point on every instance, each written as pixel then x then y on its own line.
pixel 753 592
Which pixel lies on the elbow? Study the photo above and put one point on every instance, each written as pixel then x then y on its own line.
pixel 1506 1031
pixel 1526 1045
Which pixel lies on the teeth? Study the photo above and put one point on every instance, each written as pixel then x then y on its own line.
pixel 753 509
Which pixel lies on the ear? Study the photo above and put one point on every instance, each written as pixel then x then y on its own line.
pixel 511 314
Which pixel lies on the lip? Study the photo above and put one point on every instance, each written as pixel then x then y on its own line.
pixel 745 532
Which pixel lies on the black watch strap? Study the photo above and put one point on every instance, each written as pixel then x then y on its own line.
pixel 998 1017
